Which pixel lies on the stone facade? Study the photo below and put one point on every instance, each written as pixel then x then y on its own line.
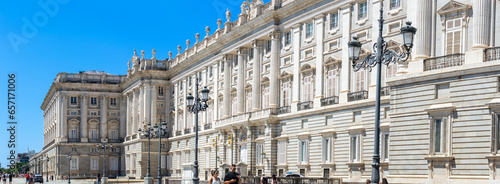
pixel 284 98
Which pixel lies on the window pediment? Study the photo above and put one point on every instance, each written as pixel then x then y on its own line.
pixel 307 68
pixel 74 122
pixel 113 124
pixel 331 61
pixel 438 108
pixel 453 6
pixel 285 74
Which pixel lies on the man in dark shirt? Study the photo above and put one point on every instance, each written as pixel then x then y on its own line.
pixel 232 177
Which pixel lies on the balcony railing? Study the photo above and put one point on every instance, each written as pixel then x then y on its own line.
pixel 134 136
pixel 444 61
pixel 178 133
pixel 305 105
pixel 491 54
pixel 207 126
pixel 358 95
pixel 329 100
pixel 386 90
pixel 115 140
pixel 94 140
pixel 127 138
pixel 74 140
pixel 187 131
pixel 283 110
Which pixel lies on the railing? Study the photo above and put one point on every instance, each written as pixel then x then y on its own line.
pixel 329 100
pixel 94 140
pixel 178 133
pixel 305 105
pixel 444 61
pixel 74 140
pixel 127 138
pixel 263 112
pixel 491 54
pixel 207 126
pixel 187 131
pixel 358 95
pixel 134 136
pixel 115 140
pixel 283 110
pixel 386 90
pixel 292 180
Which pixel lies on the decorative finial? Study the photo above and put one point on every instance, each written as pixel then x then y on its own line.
pixel 179 49
pixel 228 15
pixel 142 54
pixel 219 23
pixel 128 64
pixel 197 36
pixel 135 53
pixel 207 29
pixel 187 44
pixel 169 55
pixel 154 53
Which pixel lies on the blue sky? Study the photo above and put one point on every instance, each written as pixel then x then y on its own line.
pixel 86 35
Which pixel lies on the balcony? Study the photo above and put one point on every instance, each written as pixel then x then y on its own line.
pixel 234 119
pixel 491 54
pixel 358 95
pixel 115 140
pixel 94 140
pixel 207 126
pixel 305 105
pixel 134 136
pixel 329 100
pixel 385 91
pixel 283 110
pixel 74 140
pixel 444 61
pixel 178 133
pixel 187 131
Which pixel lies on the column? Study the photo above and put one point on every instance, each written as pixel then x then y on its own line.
pixel 134 112
pixel 147 103
pixel 240 96
pixel 372 87
pixel 104 118
pixel 319 81
pixel 273 75
pixel 215 73
pixel 296 66
pixel 129 115
pixel 83 119
pixel 154 105
pixel 423 22
pixel 256 75
pixel 176 106
pixel 140 108
pixel 227 86
pixel 481 23
pixel 251 149
pixel 64 119
pixel 123 115
pixel 184 104
pixel 346 64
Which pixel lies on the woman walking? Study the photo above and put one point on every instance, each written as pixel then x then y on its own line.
pixel 215 177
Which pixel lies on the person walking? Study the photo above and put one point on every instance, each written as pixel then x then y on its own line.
pixel 263 179
pixel 27 176
pixel 274 180
pixel 10 178
pixel 384 181
pixel 98 178
pixel 4 178
pixel 215 178
pixel 232 177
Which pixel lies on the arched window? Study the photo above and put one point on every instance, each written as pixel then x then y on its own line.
pixel 265 93
pixel 286 89
pixel 332 73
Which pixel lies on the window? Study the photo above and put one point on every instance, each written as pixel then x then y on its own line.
pixel 309 29
pixel 93 101
pixel 334 45
pixel 362 10
pixel 280 172
pixel 309 53
pixel 93 113
pixel 282 153
pixel 267 68
pixel 221 108
pixel 243 153
pixel 250 54
pixel 385 147
pixel 395 4
pixel 326 173
pixel 169 162
pixel 303 151
pixel 354 149
pixel 180 86
pixel 287 60
pixel 207 158
pixel 442 91
pixel 163 162
pixel 265 100
pixel 260 156
pixel 178 161
pixel 360 78
pixel 113 161
pixel 235 63
pixel 334 20
pixel 186 157
pixel 439 136
pixel 392 68
pixel 210 71
pixel 302 172
pixel 93 133
pixel 308 89
pixel 234 105
pixel 73 134
pixel 357 116
pixel 160 91
pixel 268 46
pixel 113 134
pixel 288 38
pixel 94 163
pixel 286 94
pixel 74 113
pixel 210 113
pixel 222 67
pixel 189 81
pixel 74 163
pixel 332 83
pixel 73 100
pixel 326 150
pixel 112 101
pixel 453 36
pixel 249 101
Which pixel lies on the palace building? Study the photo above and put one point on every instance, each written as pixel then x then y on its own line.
pixel 284 98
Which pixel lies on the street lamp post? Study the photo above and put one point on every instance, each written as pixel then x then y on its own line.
pixel 161 131
pixel 47 159
pixel 216 151
pixel 147 133
pixel 195 107
pixel 69 169
pixel 104 146
pixel 381 56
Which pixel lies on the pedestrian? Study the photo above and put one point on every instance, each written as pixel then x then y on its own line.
pixel 274 180
pixel 27 176
pixel 368 181
pixel 384 181
pixel 4 178
pixel 10 178
pixel 98 178
pixel 232 177
pixel 263 179
pixel 215 178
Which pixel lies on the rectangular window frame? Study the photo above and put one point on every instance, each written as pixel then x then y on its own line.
pixel 309 29
pixel 73 101
pixel 355 148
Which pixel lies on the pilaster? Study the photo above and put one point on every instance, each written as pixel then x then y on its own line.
pixel 104 117
pixel 318 94
pixel 241 80
pixel 273 75
pixel 83 119
pixel 256 75
pixel 227 87
pixel 481 23
pixel 296 66
pixel 346 65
